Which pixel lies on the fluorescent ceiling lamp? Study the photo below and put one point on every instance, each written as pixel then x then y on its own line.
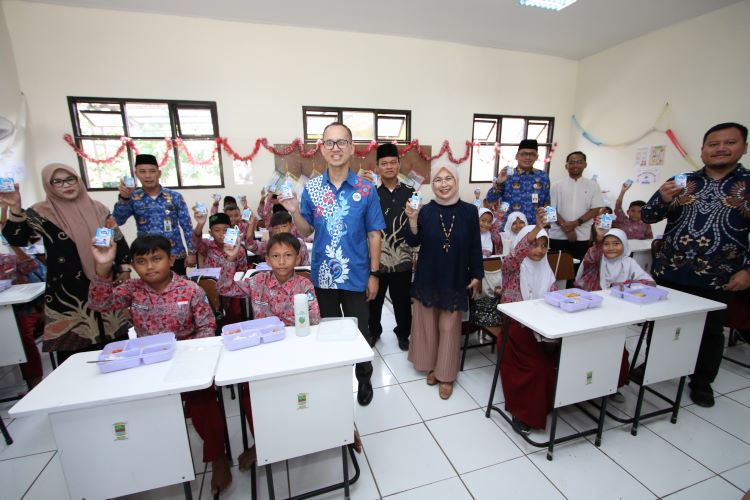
pixel 546 4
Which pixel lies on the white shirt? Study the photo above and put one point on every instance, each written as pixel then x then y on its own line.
pixel 573 198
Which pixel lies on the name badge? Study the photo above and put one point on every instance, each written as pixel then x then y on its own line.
pixel 168 225
pixel 534 197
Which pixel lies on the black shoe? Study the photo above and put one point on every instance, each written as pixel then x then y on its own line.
pixel 520 427
pixel 364 393
pixel 637 373
pixel 702 394
pixel 374 340
pixel 403 344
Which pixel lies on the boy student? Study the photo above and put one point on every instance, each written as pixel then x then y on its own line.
pixel 162 301
pixel 228 200
pixel 631 223
pixel 281 222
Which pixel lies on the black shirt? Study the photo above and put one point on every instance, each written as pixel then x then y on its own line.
pixel 395 254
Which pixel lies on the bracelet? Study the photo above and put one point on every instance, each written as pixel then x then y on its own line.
pixel 15 214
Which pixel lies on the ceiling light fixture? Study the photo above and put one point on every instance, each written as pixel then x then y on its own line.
pixel 546 4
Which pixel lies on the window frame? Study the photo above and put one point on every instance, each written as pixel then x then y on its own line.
pixel 173 106
pixel 498 134
pixel 377 112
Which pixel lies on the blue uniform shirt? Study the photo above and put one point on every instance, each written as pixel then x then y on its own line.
pixel 341 219
pixel 518 190
pixel 163 215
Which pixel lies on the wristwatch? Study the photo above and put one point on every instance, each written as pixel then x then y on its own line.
pixel 375 273
pixel 580 221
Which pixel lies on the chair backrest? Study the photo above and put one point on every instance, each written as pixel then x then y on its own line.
pixel 562 264
pixel 656 246
pixel 304 274
pixel 493 264
pixel 210 287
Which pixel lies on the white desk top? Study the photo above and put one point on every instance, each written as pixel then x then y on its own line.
pixel 640 245
pixel 20 294
pixel 290 356
pixel 678 304
pixel 553 323
pixel 77 384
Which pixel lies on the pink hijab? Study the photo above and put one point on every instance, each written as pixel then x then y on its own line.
pixel 438 166
pixel 78 218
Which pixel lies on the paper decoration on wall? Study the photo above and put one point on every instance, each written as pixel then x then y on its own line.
pixel 656 156
pixel 13 146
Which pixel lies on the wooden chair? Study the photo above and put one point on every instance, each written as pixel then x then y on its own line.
pixel 468 328
pixel 562 265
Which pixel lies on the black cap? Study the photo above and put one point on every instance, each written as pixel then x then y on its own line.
pixel 219 218
pixel 146 160
pixel 386 150
pixel 529 144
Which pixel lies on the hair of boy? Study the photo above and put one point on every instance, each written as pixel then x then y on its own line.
pixel 637 203
pixel 287 239
pixel 280 218
pixel 148 244
pixel 726 125
pixel 278 208
pixel 219 218
pixel 230 200
pixel 231 206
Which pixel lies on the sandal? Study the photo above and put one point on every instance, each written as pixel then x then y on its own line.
pixel 446 389
pixel 431 378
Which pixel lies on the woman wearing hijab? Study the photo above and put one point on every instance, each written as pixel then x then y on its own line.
pixel 449 271
pixel 67 221
pixel 528 367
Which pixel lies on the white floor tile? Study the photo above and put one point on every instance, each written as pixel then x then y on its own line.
pixel 451 488
pixel 475 359
pixel 50 484
pixel 472 441
pixel 478 382
pixel 727 414
pixel 650 402
pixel 381 374
pixel 595 480
pixel 171 492
pixel 241 487
pixel 390 408
pixel 428 403
pixel 540 436
pixel 661 467
pixel 402 368
pixel 517 479
pixel 580 421
pixel 405 458
pixel 706 443
pixel 739 476
pixel 324 469
pixel 742 396
pixel 17 475
pixel 715 488
pixel 729 380
pixel 31 435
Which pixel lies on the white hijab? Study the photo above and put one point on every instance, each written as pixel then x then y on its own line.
pixel 622 268
pixel 536 276
pixel 486 235
pixel 509 234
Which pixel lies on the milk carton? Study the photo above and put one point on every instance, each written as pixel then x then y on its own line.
pixel 232 235
pixel 128 181
pixel 103 237
pixel 551 213
pixel 6 185
pixel 246 214
pixel 415 201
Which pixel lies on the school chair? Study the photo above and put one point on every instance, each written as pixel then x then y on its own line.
pixel 492 267
pixel 562 265
pixel 738 322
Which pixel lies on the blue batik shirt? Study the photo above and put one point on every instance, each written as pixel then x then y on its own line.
pixel 518 190
pixel 706 238
pixel 163 215
pixel 341 219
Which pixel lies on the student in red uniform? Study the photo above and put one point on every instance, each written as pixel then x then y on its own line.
pixel 528 369
pixel 162 301
pixel 281 222
pixel 631 221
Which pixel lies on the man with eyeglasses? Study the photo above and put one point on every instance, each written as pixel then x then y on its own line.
pixel 157 210
pixel 578 201
pixel 527 188
pixel 344 211
pixel 396 259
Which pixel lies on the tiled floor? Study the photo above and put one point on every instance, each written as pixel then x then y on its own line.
pixel 417 446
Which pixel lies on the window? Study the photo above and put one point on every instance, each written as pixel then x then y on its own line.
pixel 382 125
pixel 99 123
pixel 508 131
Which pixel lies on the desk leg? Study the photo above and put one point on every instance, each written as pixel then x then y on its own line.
pixel 269 480
pixel 600 428
pixel 240 391
pixel 227 445
pixel 346 472
pixel 188 491
pixel 6 434
pixel 552 430
pixel 677 399
pixel 642 388
pixel 253 481
pixel 500 352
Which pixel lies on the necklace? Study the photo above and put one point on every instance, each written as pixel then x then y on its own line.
pixel 447 234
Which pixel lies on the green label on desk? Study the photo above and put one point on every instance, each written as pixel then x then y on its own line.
pixel 302 401
pixel 121 431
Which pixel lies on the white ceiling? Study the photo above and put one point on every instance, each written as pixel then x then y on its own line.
pixel 583 29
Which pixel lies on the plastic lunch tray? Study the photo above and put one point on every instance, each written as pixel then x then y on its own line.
pixel 5 284
pixel 126 354
pixel 639 294
pixel 573 299
pixel 251 333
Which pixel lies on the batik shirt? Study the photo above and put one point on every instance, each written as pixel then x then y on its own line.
pixel 213 255
pixel 706 238
pixel 395 254
pixel 163 215
pixel 267 296
pixel 519 189
pixel 342 218
pixel 181 308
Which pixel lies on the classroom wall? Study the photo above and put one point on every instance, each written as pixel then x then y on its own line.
pixel 261 76
pixel 699 66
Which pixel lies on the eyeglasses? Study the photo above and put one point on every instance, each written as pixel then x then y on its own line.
pixel 68 181
pixel 576 162
pixel 341 143
pixel 443 180
pixel 530 154
pixel 392 163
